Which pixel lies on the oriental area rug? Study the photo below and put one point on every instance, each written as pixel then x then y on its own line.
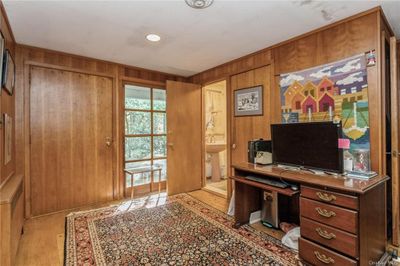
pixel 176 230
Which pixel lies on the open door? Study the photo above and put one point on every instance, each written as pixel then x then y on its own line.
pixel 394 76
pixel 184 141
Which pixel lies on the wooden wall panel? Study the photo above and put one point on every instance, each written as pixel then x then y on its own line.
pixel 7 102
pixel 246 128
pixel 351 36
pixel 26 56
pixel 258 59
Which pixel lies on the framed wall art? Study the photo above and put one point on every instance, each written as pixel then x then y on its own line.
pixel 8 124
pixel 8 81
pixel 249 101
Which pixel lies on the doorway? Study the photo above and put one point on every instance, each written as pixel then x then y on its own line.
pixel 145 138
pixel 215 138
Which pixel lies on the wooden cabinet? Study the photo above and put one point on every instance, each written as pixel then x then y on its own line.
pixel 332 231
pixel 342 220
pixel 11 219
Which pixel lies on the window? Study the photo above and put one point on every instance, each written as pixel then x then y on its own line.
pixel 325 107
pixel 145 132
pixel 298 105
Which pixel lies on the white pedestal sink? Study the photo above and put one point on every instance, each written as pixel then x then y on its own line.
pixel 214 149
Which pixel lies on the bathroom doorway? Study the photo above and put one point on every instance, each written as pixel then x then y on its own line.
pixel 215 138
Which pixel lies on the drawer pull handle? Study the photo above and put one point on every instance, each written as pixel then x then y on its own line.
pixel 325 234
pixel 325 213
pixel 326 197
pixel 323 258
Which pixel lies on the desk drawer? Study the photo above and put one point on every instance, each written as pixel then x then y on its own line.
pixel 328 236
pixel 320 256
pixel 339 199
pixel 328 214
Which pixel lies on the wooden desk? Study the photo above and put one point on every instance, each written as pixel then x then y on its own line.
pixel 141 170
pixel 342 219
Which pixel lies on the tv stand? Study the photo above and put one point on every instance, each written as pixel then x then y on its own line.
pixel 342 219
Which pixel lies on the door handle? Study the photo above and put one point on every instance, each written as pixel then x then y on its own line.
pixel 170 144
pixel 395 153
pixel 108 141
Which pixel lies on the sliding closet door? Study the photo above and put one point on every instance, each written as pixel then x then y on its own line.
pixel 395 157
pixel 184 141
pixel 70 139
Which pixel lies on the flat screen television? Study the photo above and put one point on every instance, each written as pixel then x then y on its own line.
pixel 310 145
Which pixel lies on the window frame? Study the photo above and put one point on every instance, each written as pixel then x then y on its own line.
pixel 152 186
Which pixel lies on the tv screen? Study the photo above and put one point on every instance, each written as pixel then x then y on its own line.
pixel 310 145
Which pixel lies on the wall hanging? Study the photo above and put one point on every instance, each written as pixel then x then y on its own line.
pixel 337 91
pixel 249 101
pixel 8 81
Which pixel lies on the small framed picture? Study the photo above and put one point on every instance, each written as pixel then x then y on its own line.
pixel 8 124
pixel 8 81
pixel 2 43
pixel 249 101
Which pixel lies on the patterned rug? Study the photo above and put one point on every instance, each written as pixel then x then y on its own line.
pixel 177 230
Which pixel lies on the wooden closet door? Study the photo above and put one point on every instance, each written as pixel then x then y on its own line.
pixel 245 128
pixel 395 105
pixel 71 139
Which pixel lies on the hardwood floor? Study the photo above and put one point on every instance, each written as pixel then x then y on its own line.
pixel 43 240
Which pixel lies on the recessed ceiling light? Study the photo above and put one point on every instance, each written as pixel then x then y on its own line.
pixel 153 37
pixel 199 4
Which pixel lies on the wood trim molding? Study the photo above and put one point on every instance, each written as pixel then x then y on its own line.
pixel 70 69
pixel 7 179
pixel 140 81
pixel 24 46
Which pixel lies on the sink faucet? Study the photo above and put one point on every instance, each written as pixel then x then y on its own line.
pixel 211 138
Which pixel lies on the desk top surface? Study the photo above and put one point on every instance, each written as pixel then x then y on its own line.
pixel 350 184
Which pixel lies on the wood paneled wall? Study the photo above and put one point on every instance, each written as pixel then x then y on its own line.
pixel 26 55
pixel 7 102
pixel 246 128
pixel 351 36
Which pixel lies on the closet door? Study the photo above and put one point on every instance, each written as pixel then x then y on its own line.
pixel 245 128
pixel 70 139
pixel 394 97
pixel 184 142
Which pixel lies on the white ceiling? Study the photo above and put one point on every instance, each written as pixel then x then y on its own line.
pixel 191 40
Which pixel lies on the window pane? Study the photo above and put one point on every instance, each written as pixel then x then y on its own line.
pixel 137 97
pixel 159 99
pixel 163 164
pixel 159 123
pixel 138 179
pixel 137 122
pixel 137 148
pixel 159 146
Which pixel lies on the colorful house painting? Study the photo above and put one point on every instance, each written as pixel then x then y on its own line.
pixel 325 102
pixel 338 89
pixel 327 86
pixel 292 90
pixel 309 105
pixel 297 99
pixel 310 89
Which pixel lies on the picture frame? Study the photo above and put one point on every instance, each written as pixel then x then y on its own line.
pixel 249 101
pixel 8 80
pixel 2 44
pixel 8 128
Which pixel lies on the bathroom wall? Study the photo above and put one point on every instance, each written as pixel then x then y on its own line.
pixel 216 120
